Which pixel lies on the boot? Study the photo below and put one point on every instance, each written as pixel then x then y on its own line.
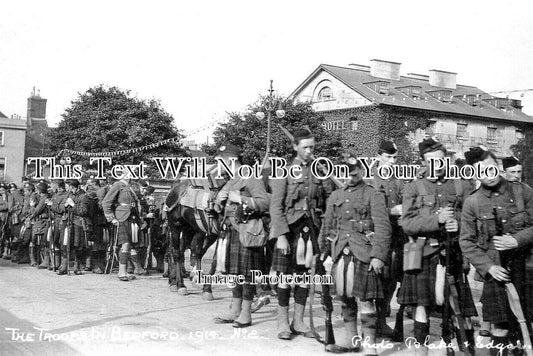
pixel 130 268
pixel 88 266
pixel 245 317
pixel 122 272
pixel 261 302
pixel 77 270
pixel 99 257
pixel 6 255
pixel 235 311
pixel 165 270
pixel 348 344
pixel 471 341
pixel 46 259
pixel 63 266
pixel 382 328
pixel 138 268
pixel 57 260
pixel 298 326
pixel 33 262
pixel 421 331
pixel 284 330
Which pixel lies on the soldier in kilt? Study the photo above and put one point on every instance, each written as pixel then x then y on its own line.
pixel 428 213
pixel 40 218
pixel 243 202
pixel 296 209
pixel 5 238
pixel 357 224
pixel 59 214
pixel 513 202
pixel 96 221
pixel 392 189
pixel 78 203
pixel 15 203
pixel 26 246
pixel 121 208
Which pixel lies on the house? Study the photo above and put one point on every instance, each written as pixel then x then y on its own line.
pixel 368 103
pixel 12 142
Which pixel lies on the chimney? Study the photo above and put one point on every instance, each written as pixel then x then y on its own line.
pixel 360 67
pixel 385 69
pixel 440 78
pixel 36 107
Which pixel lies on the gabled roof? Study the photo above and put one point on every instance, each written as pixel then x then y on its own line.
pixel 2 115
pixel 355 78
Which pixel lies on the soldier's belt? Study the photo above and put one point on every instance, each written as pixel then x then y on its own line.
pixel 346 251
pixel 132 205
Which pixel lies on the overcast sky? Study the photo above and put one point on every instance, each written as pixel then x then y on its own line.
pixel 203 58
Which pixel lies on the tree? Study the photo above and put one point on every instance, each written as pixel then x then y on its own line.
pixel 109 119
pixel 523 150
pixel 250 134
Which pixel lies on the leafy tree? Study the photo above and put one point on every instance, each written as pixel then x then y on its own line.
pixel 109 119
pixel 250 133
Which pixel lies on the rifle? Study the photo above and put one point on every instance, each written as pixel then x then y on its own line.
pixel 318 267
pixel 510 289
pixel 111 252
pixel 149 248
pixel 337 182
pixel 52 242
pixel 67 237
pixel 451 298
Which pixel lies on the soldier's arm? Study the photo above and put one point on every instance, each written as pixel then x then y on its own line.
pixel 82 206
pixel 382 228
pixel 259 199
pixel 525 237
pixel 412 222
pixel 39 208
pixel 107 203
pixel 280 226
pixel 468 239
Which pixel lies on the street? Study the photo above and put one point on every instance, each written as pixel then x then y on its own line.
pixel 45 314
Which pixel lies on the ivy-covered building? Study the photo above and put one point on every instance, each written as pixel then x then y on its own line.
pixel 365 104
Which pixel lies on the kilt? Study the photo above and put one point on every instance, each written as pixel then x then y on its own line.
pixel 79 238
pixel 496 308
pixel 419 289
pixel 239 259
pixel 124 232
pixel 287 263
pixel 59 231
pixel 367 285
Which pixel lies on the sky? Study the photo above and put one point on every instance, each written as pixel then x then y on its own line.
pixel 202 59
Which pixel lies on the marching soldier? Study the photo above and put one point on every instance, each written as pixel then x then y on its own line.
pixel 496 237
pixel 59 214
pixel 121 208
pixel 15 204
pixel 392 189
pixel 4 214
pixel 40 217
pixel 243 202
pixel 357 224
pixel 77 205
pixel 429 218
pixel 512 169
pixel 295 211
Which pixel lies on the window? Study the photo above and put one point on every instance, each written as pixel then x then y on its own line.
pixel 491 134
pixel 411 91
pixel 380 87
pixel 444 96
pixel 519 135
pixel 431 128
pixel 2 168
pixel 353 123
pixel 461 131
pixel 325 94
pixel 1 137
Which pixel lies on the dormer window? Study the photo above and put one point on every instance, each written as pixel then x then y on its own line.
pixel 380 87
pixel 412 91
pixel 444 96
pixel 472 100
pixel 500 103
pixel 325 94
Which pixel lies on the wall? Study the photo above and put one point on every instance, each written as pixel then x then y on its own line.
pixel 13 150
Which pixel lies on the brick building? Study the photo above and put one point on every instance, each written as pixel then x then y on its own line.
pixel 12 142
pixel 38 131
pixel 365 103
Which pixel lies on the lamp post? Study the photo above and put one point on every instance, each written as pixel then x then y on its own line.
pixel 280 113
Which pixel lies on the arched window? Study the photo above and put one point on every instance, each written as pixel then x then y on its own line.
pixel 325 94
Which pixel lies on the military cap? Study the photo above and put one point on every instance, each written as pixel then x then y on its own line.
pixel 351 161
pixel 302 134
pixel 61 184
pixel 3 185
pixel 476 154
pixel 42 187
pixel 430 145
pixel 510 162
pixel 73 182
pixel 12 185
pixel 387 147
pixel 29 186
pixel 229 150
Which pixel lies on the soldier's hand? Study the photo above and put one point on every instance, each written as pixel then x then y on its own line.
pixel 451 225
pixel 396 210
pixel 48 202
pixel 69 202
pixel 499 273
pixel 283 245
pixel 446 214
pixel 377 265
pixel 114 222
pixel 505 242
